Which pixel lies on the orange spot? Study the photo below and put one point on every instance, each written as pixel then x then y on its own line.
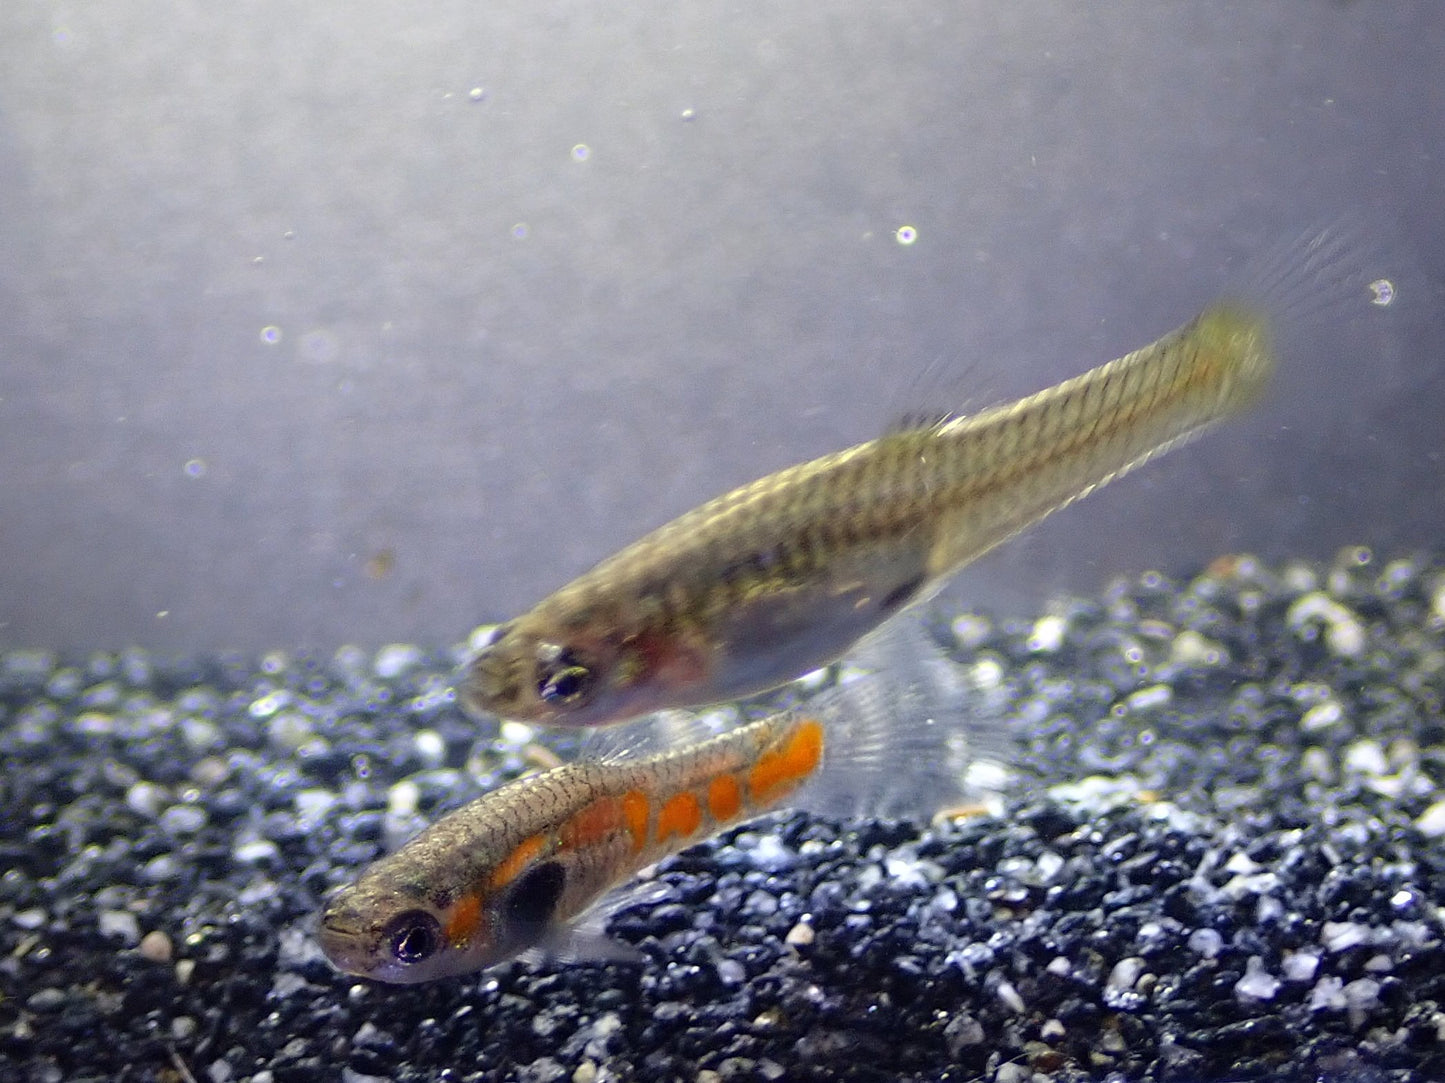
pixel 634 815
pixel 465 917
pixel 594 823
pixel 796 759
pixel 680 815
pixel 724 797
pixel 513 864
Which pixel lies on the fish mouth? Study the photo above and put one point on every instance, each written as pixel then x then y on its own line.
pixel 488 680
pixel 342 942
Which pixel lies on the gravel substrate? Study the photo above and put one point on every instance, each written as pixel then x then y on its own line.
pixel 1225 864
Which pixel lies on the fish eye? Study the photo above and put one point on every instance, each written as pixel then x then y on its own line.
pixel 562 679
pixel 413 937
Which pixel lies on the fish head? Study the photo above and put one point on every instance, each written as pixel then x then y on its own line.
pixel 542 676
pixel 406 934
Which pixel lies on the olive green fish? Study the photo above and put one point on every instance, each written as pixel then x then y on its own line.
pixel 784 575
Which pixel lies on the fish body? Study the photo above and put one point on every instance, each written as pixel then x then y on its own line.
pixel 783 575
pixel 516 868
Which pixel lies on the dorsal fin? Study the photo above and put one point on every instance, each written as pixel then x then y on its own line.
pixel 915 420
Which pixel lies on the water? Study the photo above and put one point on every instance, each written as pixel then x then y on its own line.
pixel 331 329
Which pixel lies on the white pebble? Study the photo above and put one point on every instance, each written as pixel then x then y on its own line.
pixel 1300 966
pixel 517 733
pixel 1010 997
pixel 1343 935
pixel 1207 942
pixel 1242 863
pixel 1192 649
pixel 200 734
pixel 1367 758
pixel 256 851
pixel 1344 634
pixel 267 705
pixel 403 798
pixel 1327 994
pixel 986 674
pixel 1125 973
pixel 1257 983
pixel 289 730
pixel 394 659
pixel 769 852
pixel 120 923
pixel 29 920
pixel 1048 635
pixel 145 799
pixel 430 747
pixel 1431 822
pixel 1379 964
pixel 1321 716
pixel 183 819
pixel 1361 996
pixel 969 630
pixel 1156 695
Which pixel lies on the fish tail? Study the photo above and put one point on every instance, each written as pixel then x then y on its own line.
pixel 1300 294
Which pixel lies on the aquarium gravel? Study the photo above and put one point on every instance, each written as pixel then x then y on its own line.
pixel 1220 860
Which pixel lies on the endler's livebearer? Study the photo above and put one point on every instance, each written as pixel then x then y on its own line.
pixel 784 575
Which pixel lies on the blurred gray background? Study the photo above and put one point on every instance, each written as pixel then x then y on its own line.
pixel 361 322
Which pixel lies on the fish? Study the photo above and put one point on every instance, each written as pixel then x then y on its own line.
pixel 529 868
pixel 784 575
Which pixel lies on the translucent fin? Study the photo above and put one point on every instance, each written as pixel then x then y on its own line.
pixel 902 738
pixel 586 940
pixel 659 732
pixel 943 380
pixel 921 419
pixel 575 944
pixel 1315 282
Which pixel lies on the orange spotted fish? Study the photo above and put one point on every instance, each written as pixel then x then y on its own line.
pixel 784 575
pixel 516 868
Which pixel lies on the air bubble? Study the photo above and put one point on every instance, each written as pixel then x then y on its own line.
pixel 1382 292
pixel 905 235
pixel 271 335
pixel 581 152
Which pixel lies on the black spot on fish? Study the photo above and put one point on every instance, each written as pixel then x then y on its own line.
pixel 534 897
pixel 900 595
